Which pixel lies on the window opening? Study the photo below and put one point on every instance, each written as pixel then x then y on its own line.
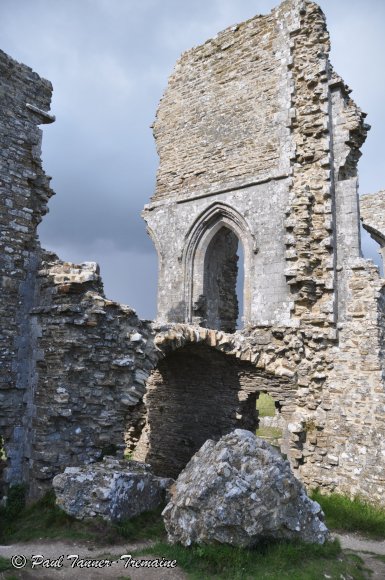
pixel 271 423
pixel 223 282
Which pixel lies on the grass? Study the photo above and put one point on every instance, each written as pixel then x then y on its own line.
pixel 44 520
pixel 41 520
pixel 278 561
pixel 5 564
pixel 147 526
pixel 354 515
pixel 265 405
pixel 266 408
pixel 270 434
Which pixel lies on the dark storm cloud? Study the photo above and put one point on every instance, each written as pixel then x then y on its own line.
pixel 109 61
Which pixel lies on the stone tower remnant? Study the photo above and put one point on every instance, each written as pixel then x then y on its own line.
pixel 258 141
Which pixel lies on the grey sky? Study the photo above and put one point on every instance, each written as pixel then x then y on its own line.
pixel 109 61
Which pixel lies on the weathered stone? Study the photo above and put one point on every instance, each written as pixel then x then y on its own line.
pixel 112 489
pixel 372 210
pixel 259 145
pixel 240 491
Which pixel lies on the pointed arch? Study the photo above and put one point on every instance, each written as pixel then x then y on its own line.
pixel 215 217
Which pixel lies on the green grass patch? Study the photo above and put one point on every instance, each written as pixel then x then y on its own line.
pixel 280 561
pixel 15 502
pixel 270 434
pixel 146 526
pixel 5 564
pixel 44 520
pixel 265 405
pixel 354 515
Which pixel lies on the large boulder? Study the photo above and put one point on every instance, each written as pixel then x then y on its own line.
pixel 239 491
pixel 113 489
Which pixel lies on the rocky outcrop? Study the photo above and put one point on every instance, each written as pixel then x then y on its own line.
pixel 113 489
pixel 239 491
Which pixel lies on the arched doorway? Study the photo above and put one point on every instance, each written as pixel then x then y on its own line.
pixel 198 393
pixel 220 282
pixel 219 269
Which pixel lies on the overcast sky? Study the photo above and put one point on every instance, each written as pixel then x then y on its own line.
pixel 109 61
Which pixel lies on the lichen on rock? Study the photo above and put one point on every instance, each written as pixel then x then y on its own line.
pixel 112 489
pixel 239 491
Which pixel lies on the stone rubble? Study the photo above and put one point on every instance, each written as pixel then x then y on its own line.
pixel 258 140
pixel 240 491
pixel 113 489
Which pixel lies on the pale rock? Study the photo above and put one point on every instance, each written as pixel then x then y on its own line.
pixel 112 489
pixel 240 491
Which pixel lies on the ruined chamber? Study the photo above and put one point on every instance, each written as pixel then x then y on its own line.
pixel 258 142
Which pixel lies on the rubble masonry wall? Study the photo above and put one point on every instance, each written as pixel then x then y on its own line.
pixel 256 134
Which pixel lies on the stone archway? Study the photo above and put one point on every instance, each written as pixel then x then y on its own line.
pixel 220 309
pixel 197 393
pixel 210 252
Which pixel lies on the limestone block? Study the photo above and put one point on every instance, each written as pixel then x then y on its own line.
pixel 239 491
pixel 112 489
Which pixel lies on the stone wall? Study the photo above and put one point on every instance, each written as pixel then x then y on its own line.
pixel 353 397
pixel 24 192
pixel 264 85
pixel 196 394
pixel 256 215
pixel 222 132
pixel 224 115
pixel 258 142
pixel 277 361
pixel 372 209
pixel 92 358
pixel 309 253
pixel 296 213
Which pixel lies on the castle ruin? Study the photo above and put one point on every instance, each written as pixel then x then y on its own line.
pixel 258 141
